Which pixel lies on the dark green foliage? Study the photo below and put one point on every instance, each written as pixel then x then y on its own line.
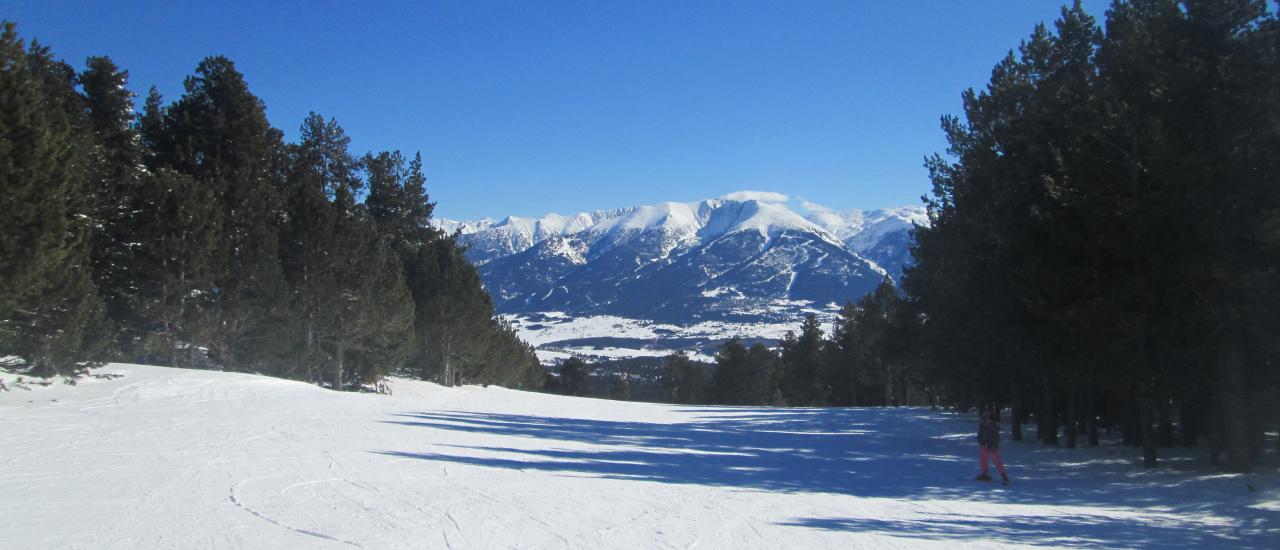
pixel 872 351
pixel 575 377
pixel 50 314
pixel 214 244
pixel 168 271
pixel 451 311
pixel 114 177
pixel 371 314
pixel 218 133
pixel 685 382
pixel 619 387
pixel 398 202
pixel 457 338
pixel 804 366
pixel 746 376
pixel 1105 236
pixel 353 310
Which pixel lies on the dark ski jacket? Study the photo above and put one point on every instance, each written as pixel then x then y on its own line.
pixel 989 435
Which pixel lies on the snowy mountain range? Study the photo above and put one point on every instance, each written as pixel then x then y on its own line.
pixel 746 257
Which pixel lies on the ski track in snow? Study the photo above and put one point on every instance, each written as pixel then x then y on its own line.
pixel 168 458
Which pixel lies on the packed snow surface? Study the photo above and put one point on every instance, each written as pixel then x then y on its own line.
pixel 167 458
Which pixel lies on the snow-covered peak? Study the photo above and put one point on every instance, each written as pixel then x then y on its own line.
pixel 862 229
pixel 768 218
pixel 672 225
pixel 672 216
pixel 466 227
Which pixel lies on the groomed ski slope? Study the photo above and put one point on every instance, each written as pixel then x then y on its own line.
pixel 168 458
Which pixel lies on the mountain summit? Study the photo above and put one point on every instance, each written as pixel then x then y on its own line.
pixel 745 257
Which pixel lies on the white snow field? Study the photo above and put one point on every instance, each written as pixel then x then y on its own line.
pixel 169 458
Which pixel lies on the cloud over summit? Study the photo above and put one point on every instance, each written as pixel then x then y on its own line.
pixel 762 196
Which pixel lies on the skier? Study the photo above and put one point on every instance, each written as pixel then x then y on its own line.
pixel 989 445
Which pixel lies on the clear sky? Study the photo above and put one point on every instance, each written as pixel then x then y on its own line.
pixel 529 107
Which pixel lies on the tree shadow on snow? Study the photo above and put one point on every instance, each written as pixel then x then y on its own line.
pixel 1080 531
pixel 891 453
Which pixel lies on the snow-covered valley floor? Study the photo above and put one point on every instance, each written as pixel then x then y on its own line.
pixel 167 458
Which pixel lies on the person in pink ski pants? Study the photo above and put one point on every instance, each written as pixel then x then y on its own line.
pixel 989 447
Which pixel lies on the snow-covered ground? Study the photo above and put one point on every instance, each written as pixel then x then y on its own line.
pixel 554 334
pixel 167 458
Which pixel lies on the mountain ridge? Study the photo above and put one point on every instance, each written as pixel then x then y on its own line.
pixel 730 258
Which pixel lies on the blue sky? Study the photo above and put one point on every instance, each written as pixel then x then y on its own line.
pixel 529 107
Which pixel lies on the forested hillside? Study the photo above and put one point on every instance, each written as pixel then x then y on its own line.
pixel 192 234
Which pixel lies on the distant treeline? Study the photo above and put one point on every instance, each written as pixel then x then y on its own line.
pixel 868 360
pixel 193 235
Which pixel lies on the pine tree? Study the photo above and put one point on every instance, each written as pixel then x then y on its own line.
pixel 50 314
pixel 745 376
pixel 844 357
pixel 804 365
pixel 373 310
pixel 575 377
pixel 398 202
pixel 354 311
pixel 317 168
pixel 218 133
pixel 454 317
pixel 684 381
pixel 169 269
pixel 115 160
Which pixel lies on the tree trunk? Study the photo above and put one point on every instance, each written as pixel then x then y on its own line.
pixel 1071 412
pixel 1015 412
pixel 1188 423
pixel 1165 412
pixel 308 356
pixel 888 385
pixel 1145 413
pixel 339 354
pixel 1048 416
pixel 1091 409
pixel 1232 406
pixel 853 385
pixel 1132 419
pixel 448 370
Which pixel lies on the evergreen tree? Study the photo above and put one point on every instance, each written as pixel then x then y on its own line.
pixel 575 377
pixel 844 357
pixel 398 202
pixel 729 379
pixel 684 381
pixel 804 365
pixel 372 311
pixel 620 387
pixel 115 160
pixel 348 288
pixel 168 272
pixel 218 133
pixel 745 376
pixel 453 314
pixel 317 168
pixel 50 314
